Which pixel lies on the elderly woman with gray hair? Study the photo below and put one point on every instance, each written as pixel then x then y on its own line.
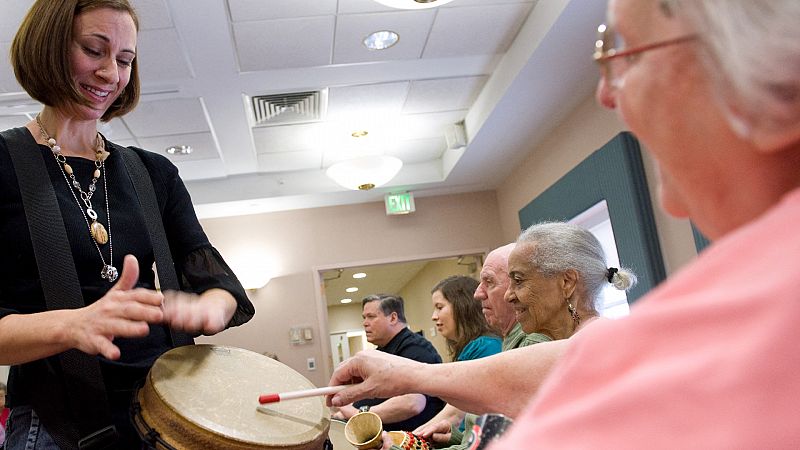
pixel 557 274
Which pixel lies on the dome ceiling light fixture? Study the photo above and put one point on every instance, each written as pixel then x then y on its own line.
pixel 381 40
pixel 413 4
pixel 179 150
pixel 364 173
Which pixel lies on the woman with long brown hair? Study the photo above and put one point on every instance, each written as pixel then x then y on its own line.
pixel 459 319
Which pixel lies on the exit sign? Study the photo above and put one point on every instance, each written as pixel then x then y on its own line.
pixel 399 203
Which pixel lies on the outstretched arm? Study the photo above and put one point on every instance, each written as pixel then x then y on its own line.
pixel 507 380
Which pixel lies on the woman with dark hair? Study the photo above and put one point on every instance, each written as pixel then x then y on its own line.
pixel 79 338
pixel 459 319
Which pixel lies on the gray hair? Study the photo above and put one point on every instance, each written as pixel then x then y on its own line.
pixel 751 51
pixel 560 246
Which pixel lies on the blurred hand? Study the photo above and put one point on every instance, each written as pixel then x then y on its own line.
pixel 379 374
pixel 122 312
pixel 438 432
pixel 345 412
pixel 207 314
pixel 387 441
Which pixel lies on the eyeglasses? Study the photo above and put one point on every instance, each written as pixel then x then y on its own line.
pixel 612 57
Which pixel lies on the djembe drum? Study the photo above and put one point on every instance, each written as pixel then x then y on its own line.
pixel 206 397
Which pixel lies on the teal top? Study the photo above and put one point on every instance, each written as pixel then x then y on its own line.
pixel 480 347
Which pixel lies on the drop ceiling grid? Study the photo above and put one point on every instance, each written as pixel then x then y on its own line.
pixel 466 31
pixel 249 10
pixel 284 43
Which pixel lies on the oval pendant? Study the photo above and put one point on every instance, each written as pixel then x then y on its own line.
pixel 99 233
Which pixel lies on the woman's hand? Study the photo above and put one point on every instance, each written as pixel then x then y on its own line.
pixel 207 313
pixel 378 374
pixel 122 312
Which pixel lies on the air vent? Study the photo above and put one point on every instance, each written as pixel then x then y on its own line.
pixel 294 107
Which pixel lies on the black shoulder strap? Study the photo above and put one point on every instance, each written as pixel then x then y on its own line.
pixel 143 184
pixel 86 396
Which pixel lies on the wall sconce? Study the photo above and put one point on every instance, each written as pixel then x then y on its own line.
pixel 364 173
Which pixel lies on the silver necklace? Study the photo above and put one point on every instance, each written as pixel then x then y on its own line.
pixel 96 229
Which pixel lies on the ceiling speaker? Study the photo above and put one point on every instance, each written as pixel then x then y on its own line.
pixel 456 136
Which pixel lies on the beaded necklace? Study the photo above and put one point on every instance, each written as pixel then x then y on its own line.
pixel 96 229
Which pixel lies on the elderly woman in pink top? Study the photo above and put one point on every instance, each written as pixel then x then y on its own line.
pixel 707 360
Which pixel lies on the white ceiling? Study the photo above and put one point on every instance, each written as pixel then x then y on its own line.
pixel 510 69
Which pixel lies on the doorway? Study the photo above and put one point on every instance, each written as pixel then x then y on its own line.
pixel 342 288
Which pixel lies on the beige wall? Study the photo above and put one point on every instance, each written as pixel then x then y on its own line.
pixel 300 241
pixel 585 130
pixel 345 317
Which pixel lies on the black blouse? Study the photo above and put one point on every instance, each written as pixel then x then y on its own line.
pixel 199 266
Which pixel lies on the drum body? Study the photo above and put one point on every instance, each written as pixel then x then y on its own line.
pixel 206 396
pixel 336 435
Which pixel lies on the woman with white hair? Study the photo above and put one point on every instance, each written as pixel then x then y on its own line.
pixel 707 360
pixel 558 272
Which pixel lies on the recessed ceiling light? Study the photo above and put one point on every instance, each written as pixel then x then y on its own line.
pixel 346 300
pixel 360 275
pixel 381 40
pixel 351 289
pixel 359 133
pixel 180 150
pixel 413 4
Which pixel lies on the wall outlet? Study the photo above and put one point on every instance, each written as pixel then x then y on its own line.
pixel 311 364
pixel 433 331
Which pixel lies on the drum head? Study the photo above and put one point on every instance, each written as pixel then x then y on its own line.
pixel 215 389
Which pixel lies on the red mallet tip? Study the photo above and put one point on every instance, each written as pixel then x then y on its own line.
pixel 269 398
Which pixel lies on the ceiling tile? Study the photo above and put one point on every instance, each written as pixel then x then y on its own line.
pixel 281 44
pixel 161 56
pixel 246 10
pixel 475 30
pixel 288 138
pixel 201 169
pixel 362 6
pixel 368 101
pixel 8 82
pixel 127 143
pixel 7 122
pixel 13 13
pixel 342 154
pixel 115 130
pixel 203 146
pixel 412 26
pixel 460 3
pixel 418 150
pixel 290 161
pixel 152 14
pixel 445 94
pixel 167 117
